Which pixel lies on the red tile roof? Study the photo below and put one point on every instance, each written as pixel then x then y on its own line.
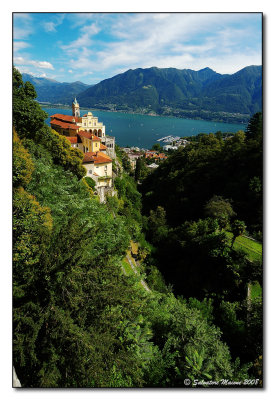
pixel 64 125
pixel 85 134
pixel 102 158
pixel 96 138
pixel 102 147
pixel 89 135
pixel 151 155
pixel 72 139
pixel 96 157
pixel 89 157
pixel 67 118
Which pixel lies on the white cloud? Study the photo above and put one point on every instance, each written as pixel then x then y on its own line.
pixel 17 46
pixel 22 25
pixel 38 64
pixel 25 70
pixel 57 19
pixel 79 19
pixel 145 40
pixel 83 41
pixel 49 26
pixel 180 40
pixel 91 29
pixel 43 64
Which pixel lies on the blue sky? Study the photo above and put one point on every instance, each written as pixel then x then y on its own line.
pixel 91 47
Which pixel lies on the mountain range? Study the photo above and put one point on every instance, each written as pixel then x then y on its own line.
pixel 52 91
pixel 203 94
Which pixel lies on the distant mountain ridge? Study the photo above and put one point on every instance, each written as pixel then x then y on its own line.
pixel 52 91
pixel 170 91
pixel 203 94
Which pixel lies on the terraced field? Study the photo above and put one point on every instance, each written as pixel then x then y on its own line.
pixel 252 248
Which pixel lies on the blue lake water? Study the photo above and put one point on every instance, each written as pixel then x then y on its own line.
pixel 144 130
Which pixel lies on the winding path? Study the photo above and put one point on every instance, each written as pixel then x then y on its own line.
pixel 136 272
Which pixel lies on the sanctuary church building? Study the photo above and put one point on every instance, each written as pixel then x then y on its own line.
pixel 71 125
pixel 88 135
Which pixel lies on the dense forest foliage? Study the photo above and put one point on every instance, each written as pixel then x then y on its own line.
pixel 197 202
pixel 78 320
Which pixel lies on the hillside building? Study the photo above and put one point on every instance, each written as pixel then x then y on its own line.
pixel 152 154
pixel 133 157
pixel 170 147
pixel 99 168
pixel 88 135
pixel 70 125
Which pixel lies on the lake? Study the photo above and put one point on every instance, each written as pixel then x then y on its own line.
pixel 144 130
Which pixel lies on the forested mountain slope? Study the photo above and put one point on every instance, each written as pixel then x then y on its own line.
pixel 167 91
pixel 196 200
pixel 158 89
pixel 78 321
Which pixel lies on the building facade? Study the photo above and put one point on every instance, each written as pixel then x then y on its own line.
pixel 88 135
pixel 99 168
pixel 71 125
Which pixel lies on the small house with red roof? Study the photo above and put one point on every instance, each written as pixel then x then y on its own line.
pixel 162 156
pixel 152 154
pixel 99 168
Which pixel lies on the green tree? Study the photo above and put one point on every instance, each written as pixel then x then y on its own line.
pixel 254 128
pixel 219 208
pixel 157 227
pixel 90 182
pixel 28 117
pixel 218 135
pixel 190 346
pixel 157 147
pixel 238 228
pixel 22 164
pixel 138 169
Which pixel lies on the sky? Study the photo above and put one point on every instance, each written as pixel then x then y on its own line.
pixel 90 47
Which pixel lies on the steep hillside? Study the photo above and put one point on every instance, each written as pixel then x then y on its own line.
pixel 240 92
pixel 169 90
pixel 202 94
pixel 150 86
pixel 78 319
pixel 197 203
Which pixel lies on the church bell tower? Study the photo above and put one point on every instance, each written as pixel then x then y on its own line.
pixel 75 107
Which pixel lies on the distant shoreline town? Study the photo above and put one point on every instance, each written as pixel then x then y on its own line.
pixel 155 155
pixel 241 121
